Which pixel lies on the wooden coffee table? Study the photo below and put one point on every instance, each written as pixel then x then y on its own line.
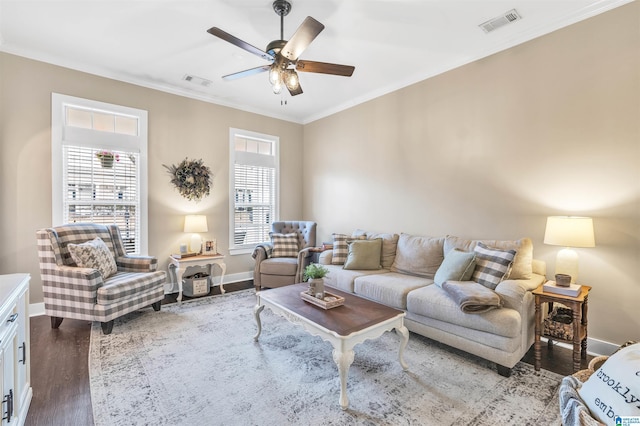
pixel 343 326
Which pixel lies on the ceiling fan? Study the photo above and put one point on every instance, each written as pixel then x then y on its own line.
pixel 284 55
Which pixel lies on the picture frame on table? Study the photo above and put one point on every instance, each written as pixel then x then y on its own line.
pixel 209 248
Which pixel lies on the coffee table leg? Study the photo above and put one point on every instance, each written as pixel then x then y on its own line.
pixel 343 360
pixel 404 334
pixel 256 312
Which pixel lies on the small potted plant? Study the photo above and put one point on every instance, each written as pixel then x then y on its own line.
pixel 314 274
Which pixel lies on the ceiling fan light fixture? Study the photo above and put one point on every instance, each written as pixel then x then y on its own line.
pixel 291 79
pixel 277 87
pixel 274 74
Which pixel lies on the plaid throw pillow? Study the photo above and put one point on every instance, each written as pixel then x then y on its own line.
pixel 492 265
pixel 341 247
pixel 284 245
pixel 94 254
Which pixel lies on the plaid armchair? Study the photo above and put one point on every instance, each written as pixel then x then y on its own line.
pixel 271 271
pixel 83 293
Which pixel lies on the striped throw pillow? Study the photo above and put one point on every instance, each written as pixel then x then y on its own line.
pixel 492 265
pixel 284 245
pixel 341 247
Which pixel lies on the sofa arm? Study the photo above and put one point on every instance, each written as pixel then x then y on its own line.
pixel 325 257
pixel 304 259
pixel 260 253
pixel 513 292
pixel 71 279
pixel 137 263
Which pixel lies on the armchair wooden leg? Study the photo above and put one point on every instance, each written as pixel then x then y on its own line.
pixel 156 305
pixel 56 321
pixel 107 327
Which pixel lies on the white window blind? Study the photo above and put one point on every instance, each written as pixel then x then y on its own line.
pixel 99 167
pixel 254 187
pixel 103 190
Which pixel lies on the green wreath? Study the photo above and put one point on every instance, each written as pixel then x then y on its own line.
pixel 191 178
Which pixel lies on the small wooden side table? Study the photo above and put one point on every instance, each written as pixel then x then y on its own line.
pixel 578 306
pixel 177 267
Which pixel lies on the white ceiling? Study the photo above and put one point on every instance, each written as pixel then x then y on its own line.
pixel 392 43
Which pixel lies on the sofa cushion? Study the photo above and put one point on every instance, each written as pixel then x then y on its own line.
pixel 419 256
pixel 389 246
pixel 614 389
pixel 364 254
pixel 458 265
pixel 343 279
pixel 492 265
pixel 389 289
pixel 433 302
pixel 127 285
pixel 284 245
pixel 341 247
pixel 94 254
pixel 522 268
pixel 279 266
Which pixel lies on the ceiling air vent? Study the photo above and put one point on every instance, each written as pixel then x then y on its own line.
pixel 197 80
pixel 500 21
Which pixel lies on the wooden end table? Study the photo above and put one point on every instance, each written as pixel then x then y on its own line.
pixel 177 267
pixel 578 306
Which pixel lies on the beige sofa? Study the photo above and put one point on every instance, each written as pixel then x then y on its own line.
pixel 404 279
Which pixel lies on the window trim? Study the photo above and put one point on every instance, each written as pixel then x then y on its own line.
pixel 61 136
pixel 275 140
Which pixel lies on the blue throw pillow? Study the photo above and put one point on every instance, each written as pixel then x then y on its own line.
pixel 457 265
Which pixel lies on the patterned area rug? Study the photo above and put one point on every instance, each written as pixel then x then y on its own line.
pixel 197 364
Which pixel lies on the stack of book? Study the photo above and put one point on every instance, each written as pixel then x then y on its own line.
pixel 551 287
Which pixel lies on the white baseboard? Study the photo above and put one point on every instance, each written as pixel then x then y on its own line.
pixel 595 347
pixel 172 287
pixel 36 309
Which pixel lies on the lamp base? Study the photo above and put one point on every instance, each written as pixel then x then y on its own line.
pixel 567 263
pixel 196 243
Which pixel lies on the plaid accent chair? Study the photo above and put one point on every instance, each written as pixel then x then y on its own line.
pixel 278 263
pixel 82 293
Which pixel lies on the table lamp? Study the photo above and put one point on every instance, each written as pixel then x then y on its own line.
pixel 569 231
pixel 193 224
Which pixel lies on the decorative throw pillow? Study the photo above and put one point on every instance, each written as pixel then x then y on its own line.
pixel 389 247
pixel 419 256
pixel 341 247
pixel 458 265
pixel 492 265
pixel 94 254
pixel 364 254
pixel 284 245
pixel 613 390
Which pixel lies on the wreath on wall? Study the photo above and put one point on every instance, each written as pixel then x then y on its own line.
pixel 191 178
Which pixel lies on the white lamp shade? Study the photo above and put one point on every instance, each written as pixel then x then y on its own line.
pixel 569 231
pixel 195 223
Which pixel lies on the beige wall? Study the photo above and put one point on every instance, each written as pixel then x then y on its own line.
pixel 485 151
pixel 178 127
pixel 490 149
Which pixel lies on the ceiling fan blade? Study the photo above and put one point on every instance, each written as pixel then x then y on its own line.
pixel 302 38
pixel 215 31
pixel 325 68
pixel 246 73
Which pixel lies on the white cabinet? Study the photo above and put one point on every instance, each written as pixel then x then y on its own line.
pixel 15 372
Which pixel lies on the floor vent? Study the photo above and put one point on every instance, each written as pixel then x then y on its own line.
pixel 197 80
pixel 500 21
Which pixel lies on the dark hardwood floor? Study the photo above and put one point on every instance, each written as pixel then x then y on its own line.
pixel 60 372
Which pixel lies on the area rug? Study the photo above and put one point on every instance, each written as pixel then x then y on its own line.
pixel 197 364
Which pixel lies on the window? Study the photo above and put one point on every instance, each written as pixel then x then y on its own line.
pixel 99 164
pixel 254 171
